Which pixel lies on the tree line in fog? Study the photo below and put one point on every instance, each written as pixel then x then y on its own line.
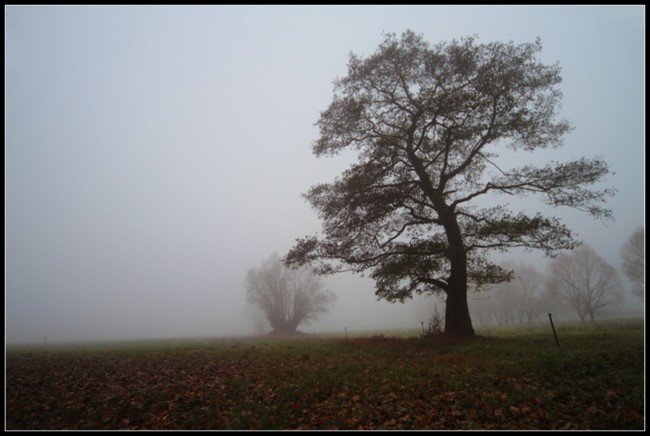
pixel 579 283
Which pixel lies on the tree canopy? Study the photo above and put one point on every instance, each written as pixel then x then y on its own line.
pixel 429 123
pixel 586 281
pixel 287 297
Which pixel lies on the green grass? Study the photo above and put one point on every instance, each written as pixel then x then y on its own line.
pixel 499 380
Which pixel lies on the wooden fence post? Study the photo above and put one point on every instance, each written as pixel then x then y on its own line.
pixel 550 317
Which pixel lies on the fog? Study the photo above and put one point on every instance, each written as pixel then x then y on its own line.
pixel 154 154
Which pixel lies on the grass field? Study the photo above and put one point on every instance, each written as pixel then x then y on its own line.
pixel 503 379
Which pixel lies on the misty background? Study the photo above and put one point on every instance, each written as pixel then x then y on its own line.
pixel 154 154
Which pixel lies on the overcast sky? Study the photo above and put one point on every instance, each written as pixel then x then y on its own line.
pixel 154 154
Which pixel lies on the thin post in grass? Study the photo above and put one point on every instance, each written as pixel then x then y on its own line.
pixel 550 317
pixel 346 333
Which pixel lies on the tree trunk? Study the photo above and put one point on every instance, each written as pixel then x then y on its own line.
pixel 293 326
pixel 457 319
pixel 283 331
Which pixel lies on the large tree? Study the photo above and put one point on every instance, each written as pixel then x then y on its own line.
pixel 429 123
pixel 632 253
pixel 586 281
pixel 287 297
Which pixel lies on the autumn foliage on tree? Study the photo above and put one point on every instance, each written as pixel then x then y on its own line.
pixel 287 297
pixel 429 124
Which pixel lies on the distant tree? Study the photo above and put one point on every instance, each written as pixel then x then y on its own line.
pixel 429 123
pixel 520 300
pixel 586 281
pixel 503 300
pixel 528 286
pixel 632 254
pixel 480 307
pixel 287 297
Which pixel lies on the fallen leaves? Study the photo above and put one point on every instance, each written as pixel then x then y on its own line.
pixel 358 385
